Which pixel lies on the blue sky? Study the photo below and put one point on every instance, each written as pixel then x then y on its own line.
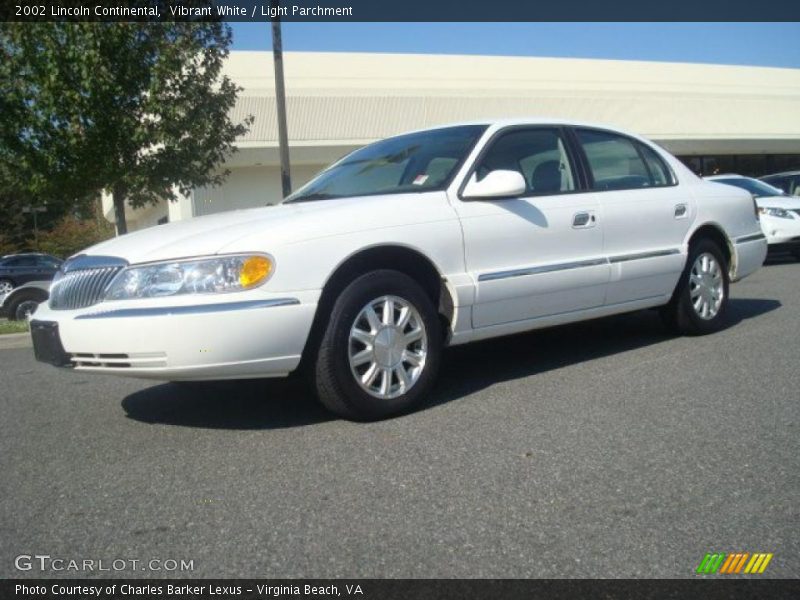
pixel 759 44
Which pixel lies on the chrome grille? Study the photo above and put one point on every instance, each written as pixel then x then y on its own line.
pixel 83 281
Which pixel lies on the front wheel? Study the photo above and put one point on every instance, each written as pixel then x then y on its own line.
pixel 700 301
pixel 25 309
pixel 381 349
pixel 6 286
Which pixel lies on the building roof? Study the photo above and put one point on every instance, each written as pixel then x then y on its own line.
pixel 345 99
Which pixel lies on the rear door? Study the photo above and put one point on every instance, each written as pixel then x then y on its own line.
pixel 21 269
pixel 646 215
pixel 538 254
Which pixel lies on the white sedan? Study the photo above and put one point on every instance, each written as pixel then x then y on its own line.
pixel 425 240
pixel 780 213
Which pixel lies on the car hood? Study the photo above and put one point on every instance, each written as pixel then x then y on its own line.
pixel 266 228
pixel 785 202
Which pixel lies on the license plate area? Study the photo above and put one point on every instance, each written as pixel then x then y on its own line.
pixel 47 346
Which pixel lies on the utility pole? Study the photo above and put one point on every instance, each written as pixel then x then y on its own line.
pixel 280 99
pixel 30 208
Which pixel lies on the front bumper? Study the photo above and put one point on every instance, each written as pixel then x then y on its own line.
pixel 782 234
pixel 174 340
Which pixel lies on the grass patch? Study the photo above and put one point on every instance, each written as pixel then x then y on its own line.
pixel 13 327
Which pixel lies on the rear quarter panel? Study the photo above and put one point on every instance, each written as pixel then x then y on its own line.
pixel 732 211
pixel 729 208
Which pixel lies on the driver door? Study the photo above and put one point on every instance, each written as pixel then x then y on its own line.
pixel 539 254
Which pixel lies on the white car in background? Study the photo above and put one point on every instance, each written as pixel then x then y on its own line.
pixel 779 212
pixel 429 239
pixel 788 181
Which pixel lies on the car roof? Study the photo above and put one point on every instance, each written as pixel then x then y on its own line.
pixel 782 174
pixel 533 120
pixel 25 254
pixel 726 176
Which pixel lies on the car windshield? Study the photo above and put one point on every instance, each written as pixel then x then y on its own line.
pixel 758 188
pixel 411 163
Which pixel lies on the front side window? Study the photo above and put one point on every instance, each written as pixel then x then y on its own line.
pixel 48 262
pixel 539 155
pixel 617 164
pixel 415 162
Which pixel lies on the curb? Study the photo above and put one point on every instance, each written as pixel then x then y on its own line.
pixel 15 340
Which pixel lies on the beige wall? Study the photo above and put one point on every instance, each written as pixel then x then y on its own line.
pixel 340 101
pixel 248 188
pixel 346 98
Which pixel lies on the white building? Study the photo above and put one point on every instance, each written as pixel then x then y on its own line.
pixel 727 118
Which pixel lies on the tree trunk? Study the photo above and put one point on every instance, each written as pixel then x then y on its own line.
pixel 118 195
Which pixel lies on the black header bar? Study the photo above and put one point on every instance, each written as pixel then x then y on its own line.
pixel 398 589
pixel 402 10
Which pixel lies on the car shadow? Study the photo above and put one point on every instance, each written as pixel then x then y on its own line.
pixel 286 403
pixel 237 404
pixel 472 367
pixel 780 259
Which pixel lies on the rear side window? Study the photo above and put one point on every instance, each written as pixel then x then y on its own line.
pixel 619 163
pixel 21 261
pixel 659 172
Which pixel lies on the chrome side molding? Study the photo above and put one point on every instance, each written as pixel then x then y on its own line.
pixel 162 311
pixel 750 238
pixel 641 255
pixel 543 269
pixel 593 262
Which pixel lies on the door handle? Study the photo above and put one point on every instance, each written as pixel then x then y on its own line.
pixel 680 211
pixel 583 219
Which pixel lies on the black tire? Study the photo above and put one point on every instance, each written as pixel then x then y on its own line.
pixel 335 383
pixel 21 309
pixel 680 315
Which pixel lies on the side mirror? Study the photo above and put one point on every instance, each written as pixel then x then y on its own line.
pixel 496 184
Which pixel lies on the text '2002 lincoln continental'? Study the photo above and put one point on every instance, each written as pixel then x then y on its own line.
pixel 432 238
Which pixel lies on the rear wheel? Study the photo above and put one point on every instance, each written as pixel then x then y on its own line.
pixel 380 352
pixel 700 301
pixel 6 285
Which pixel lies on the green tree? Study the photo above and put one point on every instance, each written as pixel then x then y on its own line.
pixel 73 234
pixel 137 109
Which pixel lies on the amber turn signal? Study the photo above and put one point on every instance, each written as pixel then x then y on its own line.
pixel 255 269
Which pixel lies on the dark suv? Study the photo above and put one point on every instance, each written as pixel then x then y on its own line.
pixel 16 269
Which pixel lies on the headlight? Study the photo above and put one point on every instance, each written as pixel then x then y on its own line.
pixel 775 212
pixel 194 276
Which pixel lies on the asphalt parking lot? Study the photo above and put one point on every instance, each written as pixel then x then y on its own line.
pixel 603 449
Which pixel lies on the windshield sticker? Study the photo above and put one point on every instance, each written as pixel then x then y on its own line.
pixel 420 179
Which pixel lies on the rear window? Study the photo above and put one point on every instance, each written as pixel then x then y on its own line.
pixel 617 162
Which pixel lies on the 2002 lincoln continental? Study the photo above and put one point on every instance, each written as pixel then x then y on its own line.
pixel 433 238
